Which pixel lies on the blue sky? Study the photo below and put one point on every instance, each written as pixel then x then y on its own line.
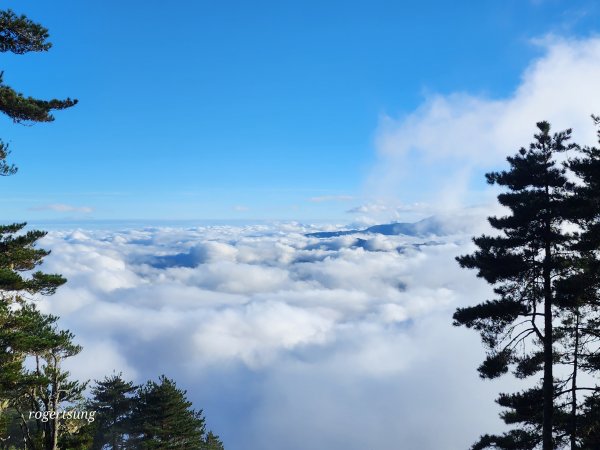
pixel 250 110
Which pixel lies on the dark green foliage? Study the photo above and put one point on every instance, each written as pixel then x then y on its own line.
pixel 212 442
pixel 524 410
pixel 5 168
pixel 27 333
pixel 46 387
pixel 523 407
pixel 113 400
pixel 580 292
pixel 495 364
pixel 18 255
pixel 587 200
pixel 28 109
pixel 156 415
pixel 589 427
pixel 79 439
pixel 20 35
pixel 163 418
pixel 529 365
pixel 512 440
pixel 490 318
pixel 24 331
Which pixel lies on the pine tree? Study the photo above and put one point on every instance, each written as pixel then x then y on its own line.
pixel 589 425
pixel 24 331
pixel 585 283
pixel 18 252
pixel 523 262
pixel 113 401
pixel 20 35
pixel 587 202
pixel 46 387
pixel 212 442
pixel 19 320
pixel 164 419
pixel 19 257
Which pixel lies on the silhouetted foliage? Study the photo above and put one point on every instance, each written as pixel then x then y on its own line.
pixel 523 261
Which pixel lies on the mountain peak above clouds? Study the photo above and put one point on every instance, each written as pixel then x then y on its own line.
pixel 426 227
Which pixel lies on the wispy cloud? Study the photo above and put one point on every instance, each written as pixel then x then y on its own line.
pixel 382 211
pixel 369 208
pixel 63 208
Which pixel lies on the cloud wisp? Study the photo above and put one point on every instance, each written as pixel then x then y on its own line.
pixel 331 198
pixel 63 208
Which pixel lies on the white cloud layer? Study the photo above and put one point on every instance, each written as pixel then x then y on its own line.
pixel 286 341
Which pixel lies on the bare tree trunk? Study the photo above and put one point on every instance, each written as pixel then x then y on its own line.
pixel 574 385
pixel 548 384
pixel 55 402
pixel 26 432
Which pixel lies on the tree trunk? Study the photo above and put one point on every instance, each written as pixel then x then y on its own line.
pixel 54 404
pixel 574 385
pixel 548 384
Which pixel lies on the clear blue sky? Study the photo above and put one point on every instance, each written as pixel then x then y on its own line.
pixel 239 109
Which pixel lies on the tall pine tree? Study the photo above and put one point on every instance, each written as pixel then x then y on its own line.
pixel 20 321
pixel 164 419
pixel 113 400
pixel 41 387
pixel 523 261
pixel 25 332
pixel 585 284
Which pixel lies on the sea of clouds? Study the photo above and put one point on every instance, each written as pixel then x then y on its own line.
pixel 285 340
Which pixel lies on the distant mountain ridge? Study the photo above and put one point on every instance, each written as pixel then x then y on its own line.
pixel 425 227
